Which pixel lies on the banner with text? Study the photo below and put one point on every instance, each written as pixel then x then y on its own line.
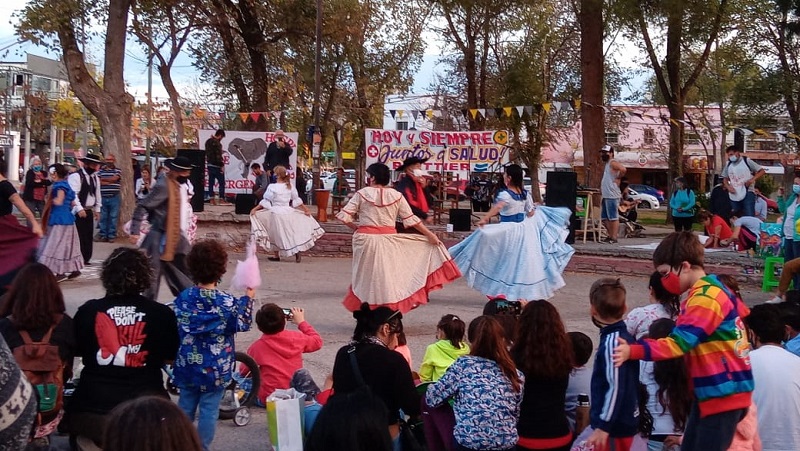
pixel 458 152
pixel 240 150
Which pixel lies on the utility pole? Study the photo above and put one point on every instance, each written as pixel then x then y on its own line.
pixel 149 107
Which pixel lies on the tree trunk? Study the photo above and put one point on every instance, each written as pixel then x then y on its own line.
pixel 110 104
pixel 592 63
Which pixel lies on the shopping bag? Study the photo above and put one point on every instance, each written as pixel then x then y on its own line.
pixel 247 274
pixel 285 419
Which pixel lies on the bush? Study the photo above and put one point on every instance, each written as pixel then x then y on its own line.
pixel 702 199
pixel 767 185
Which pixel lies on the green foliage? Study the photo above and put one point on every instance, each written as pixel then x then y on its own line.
pixel 767 185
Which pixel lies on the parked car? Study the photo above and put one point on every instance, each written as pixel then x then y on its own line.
pixel 644 200
pixel 328 178
pixel 647 189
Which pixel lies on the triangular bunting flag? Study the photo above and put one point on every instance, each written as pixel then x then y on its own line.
pixel 255 116
pixel 546 107
pixel 277 115
pixel 498 112
pixel 577 104
pixel 187 112
pixel 437 113
pixel 392 112
pixel 464 113
pixel 201 113
pixel 557 106
pixel 429 114
pixel 529 110
pixel 520 110
pixel 415 114
pixel 473 112
pixel 423 113
pixel 231 116
pixel 489 112
pixel 243 117
pixel 793 136
pixel 564 105
pixel 761 132
pixel 746 131
pixel 400 114
pixel 507 110
pixel 482 112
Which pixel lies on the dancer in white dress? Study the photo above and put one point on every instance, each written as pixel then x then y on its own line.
pixel 524 256
pixel 277 223
pixel 390 269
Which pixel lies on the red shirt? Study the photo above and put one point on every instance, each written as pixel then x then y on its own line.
pixel 278 356
pixel 725 230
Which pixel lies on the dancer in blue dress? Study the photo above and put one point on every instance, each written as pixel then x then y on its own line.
pixel 524 256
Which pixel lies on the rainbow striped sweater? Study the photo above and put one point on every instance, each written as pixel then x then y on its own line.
pixel 709 331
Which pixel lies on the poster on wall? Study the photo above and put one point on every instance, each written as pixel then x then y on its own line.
pixel 240 150
pixel 456 152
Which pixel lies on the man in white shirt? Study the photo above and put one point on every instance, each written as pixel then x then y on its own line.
pixel 89 201
pixel 739 179
pixel 776 374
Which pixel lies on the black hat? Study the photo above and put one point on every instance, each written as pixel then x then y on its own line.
pixel 179 164
pixel 92 158
pixel 607 148
pixel 409 161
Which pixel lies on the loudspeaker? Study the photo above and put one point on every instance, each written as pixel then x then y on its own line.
pixel 197 177
pixel 562 191
pixel 245 203
pixel 461 219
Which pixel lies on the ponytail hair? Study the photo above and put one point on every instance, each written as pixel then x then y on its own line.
pixel 282 176
pixel 453 329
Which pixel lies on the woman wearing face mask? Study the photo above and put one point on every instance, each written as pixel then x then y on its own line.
pixel 36 183
pixel 412 185
pixel 391 269
pixel 682 204
pixel 788 207
pixel 532 245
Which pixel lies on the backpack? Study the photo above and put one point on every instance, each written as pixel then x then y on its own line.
pixel 44 369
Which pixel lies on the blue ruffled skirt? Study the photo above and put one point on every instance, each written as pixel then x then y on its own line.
pixel 519 260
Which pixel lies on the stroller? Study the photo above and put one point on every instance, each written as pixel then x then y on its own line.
pixel 628 225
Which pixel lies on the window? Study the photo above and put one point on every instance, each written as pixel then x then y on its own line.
pixel 649 136
pixel 612 138
pixel 692 139
pixel 402 125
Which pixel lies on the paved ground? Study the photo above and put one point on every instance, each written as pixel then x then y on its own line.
pixel 318 285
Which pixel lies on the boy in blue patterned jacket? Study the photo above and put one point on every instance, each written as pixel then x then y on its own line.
pixel 614 413
pixel 208 319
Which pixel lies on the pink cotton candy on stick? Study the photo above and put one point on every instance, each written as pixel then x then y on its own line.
pixel 247 274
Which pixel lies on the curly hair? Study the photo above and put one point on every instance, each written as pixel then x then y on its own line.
pixel 487 340
pixel 126 271
pixel 207 261
pixel 34 298
pixel 542 348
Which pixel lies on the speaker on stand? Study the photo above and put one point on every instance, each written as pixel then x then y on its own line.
pixel 197 177
pixel 562 191
pixel 461 218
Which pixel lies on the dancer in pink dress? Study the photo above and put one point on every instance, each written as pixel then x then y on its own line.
pixel 389 269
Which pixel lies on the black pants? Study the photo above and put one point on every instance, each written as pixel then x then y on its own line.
pixel 174 272
pixel 684 223
pixel 85 228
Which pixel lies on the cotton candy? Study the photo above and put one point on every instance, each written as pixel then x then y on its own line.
pixel 247 274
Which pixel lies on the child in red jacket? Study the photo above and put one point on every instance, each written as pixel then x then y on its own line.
pixel 279 352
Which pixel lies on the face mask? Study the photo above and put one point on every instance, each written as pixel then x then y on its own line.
pixel 796 189
pixel 732 158
pixel 182 179
pixel 37 168
pixel 419 173
pixel 605 157
pixel 672 282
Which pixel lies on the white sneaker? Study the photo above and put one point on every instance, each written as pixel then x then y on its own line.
pixel 775 300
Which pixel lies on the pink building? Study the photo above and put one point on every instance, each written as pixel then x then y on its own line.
pixel 640 136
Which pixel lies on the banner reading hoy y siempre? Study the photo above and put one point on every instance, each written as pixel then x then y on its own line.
pixel 460 152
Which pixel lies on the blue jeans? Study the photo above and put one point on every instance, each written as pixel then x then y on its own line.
pixel 216 174
pixel 746 206
pixel 208 404
pixel 109 214
pixel 711 433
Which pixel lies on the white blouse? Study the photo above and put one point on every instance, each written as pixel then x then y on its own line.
pixel 279 195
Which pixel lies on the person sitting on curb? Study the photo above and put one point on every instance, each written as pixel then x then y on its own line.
pixel 745 233
pixel 279 352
